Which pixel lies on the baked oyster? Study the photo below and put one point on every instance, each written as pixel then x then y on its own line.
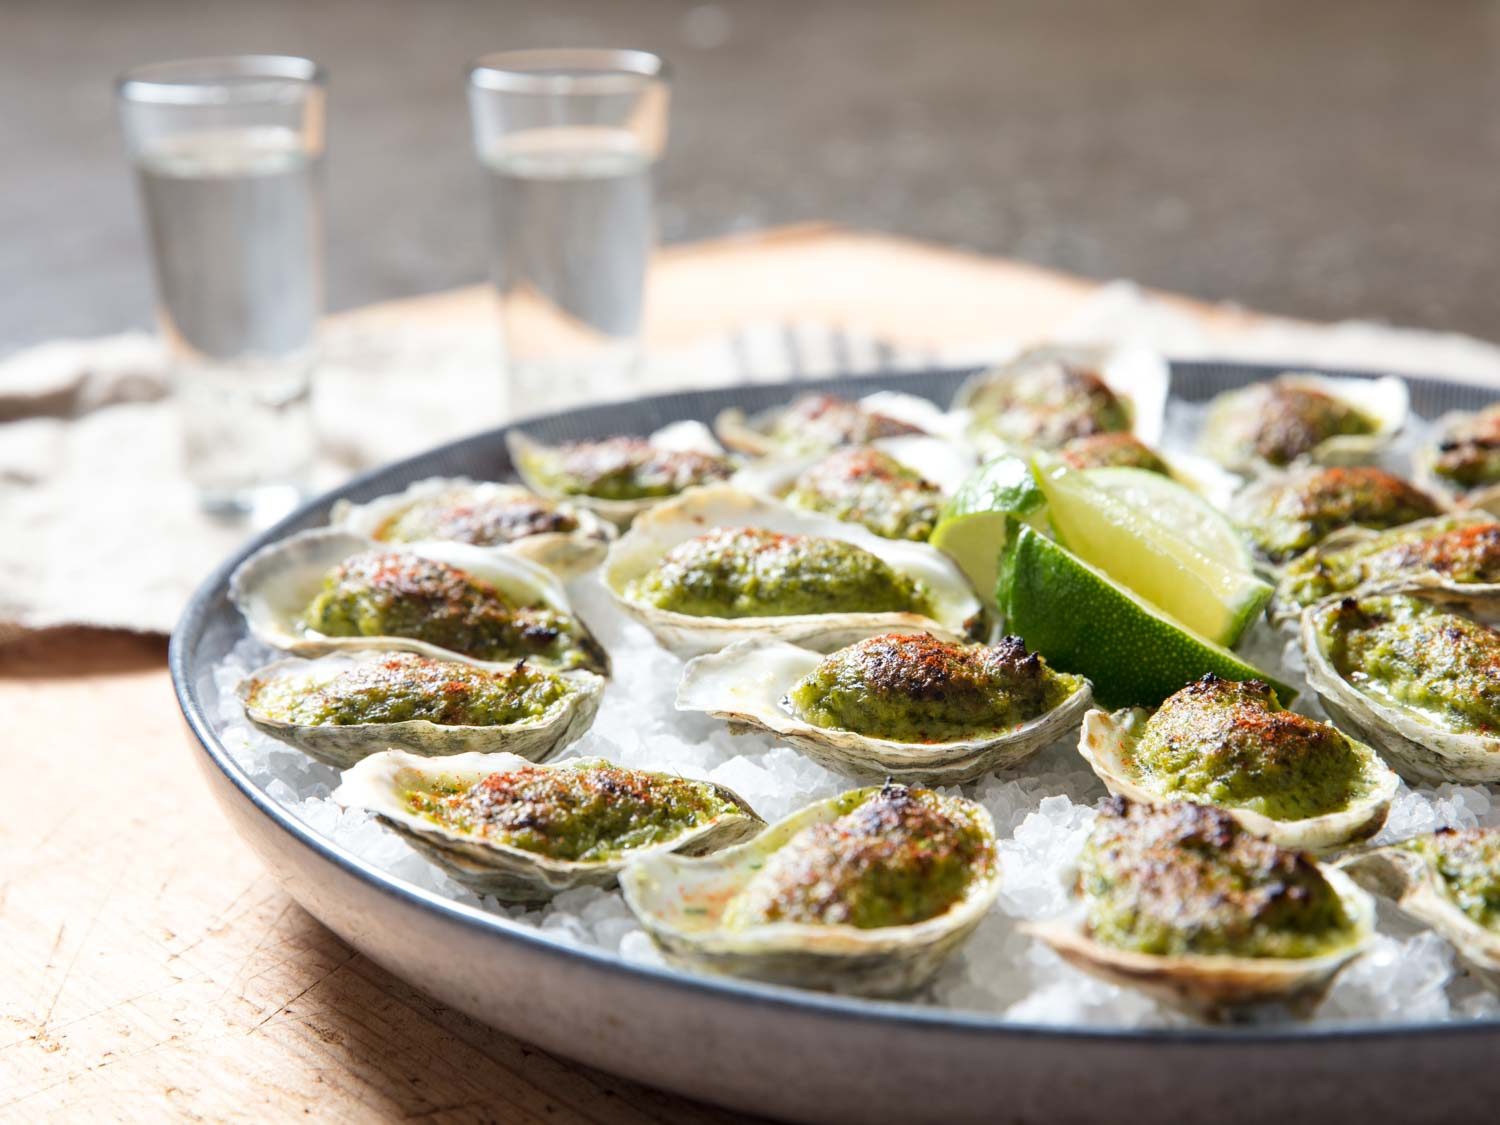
pixel 1454 557
pixel 566 539
pixel 1300 417
pixel 1187 905
pixel 818 422
pixel 859 484
pixel 718 566
pixel 520 831
pixel 1291 779
pixel 906 706
pixel 1286 514
pixel 1451 881
pixel 1464 463
pixel 864 893
pixel 324 590
pixel 345 706
pixel 1049 396
pixel 620 477
pixel 1421 682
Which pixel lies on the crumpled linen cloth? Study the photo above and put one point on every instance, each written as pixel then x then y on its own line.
pixel 99 527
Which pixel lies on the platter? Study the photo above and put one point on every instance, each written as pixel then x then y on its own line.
pixel 777 1051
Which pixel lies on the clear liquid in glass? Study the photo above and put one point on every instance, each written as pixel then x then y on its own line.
pixel 235 229
pixel 573 236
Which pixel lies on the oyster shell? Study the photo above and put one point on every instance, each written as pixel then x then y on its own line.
pixel 1298 586
pixel 822 422
pixel 1414 883
pixel 682 903
pixel 1418 743
pixel 341 745
pixel 868 485
pixel 382 782
pixel 1213 985
pixel 1479 430
pixel 1137 377
pixel 530 458
pixel 1384 401
pixel 1106 740
pixel 1280 514
pixel 274 586
pixel 747 684
pixel 956 611
pixel 567 553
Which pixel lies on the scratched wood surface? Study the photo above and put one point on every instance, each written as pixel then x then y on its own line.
pixel 152 968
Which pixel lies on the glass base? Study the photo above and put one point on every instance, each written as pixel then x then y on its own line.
pixel 257 507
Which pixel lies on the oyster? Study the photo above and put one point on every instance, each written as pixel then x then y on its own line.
pixel 1464 463
pixel 1299 417
pixel 818 422
pixel 620 477
pixel 1287 513
pixel 1049 396
pixel 345 706
pixel 1449 880
pixel 860 484
pixel 323 590
pixel 1421 682
pixel 1295 781
pixel 507 827
pixel 1454 557
pixel 717 566
pixel 1186 905
pixel 863 893
pixel 913 708
pixel 566 539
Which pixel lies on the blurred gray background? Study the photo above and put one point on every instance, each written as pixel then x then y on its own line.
pixel 1324 160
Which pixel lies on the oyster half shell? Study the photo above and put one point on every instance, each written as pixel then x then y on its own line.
pixel 1285 610
pixel 511 874
pixel 1212 986
pixel 1384 400
pixel 746 684
pixel 956 609
pixel 1424 460
pixel 680 903
pixel 753 434
pixel 341 746
pixel 565 553
pixel 1415 886
pixel 1105 742
pixel 527 454
pixel 1415 743
pixel 1138 376
pixel 274 586
pixel 944 463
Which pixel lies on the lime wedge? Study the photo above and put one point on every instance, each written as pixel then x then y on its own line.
pixel 971 527
pixel 1083 621
pixel 1179 509
pixel 1141 548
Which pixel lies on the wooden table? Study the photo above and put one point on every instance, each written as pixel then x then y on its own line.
pixel 151 965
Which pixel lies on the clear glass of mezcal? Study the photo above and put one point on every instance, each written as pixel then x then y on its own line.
pixel 568 138
pixel 228 153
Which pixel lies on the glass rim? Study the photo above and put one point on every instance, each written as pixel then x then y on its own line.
pixel 567 70
pixel 219 79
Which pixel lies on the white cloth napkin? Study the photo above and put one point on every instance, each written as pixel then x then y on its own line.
pixel 98 526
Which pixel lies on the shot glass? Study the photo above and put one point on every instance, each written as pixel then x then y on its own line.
pixel 228 154
pixel 568 140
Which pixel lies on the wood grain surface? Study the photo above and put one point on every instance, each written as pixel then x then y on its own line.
pixel 152 968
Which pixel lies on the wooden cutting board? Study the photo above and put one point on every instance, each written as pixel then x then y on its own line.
pixel 152 966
